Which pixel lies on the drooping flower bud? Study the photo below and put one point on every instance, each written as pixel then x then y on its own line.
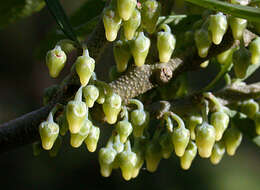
pixel 194 120
pixel 55 61
pixel 205 139
pixel 131 25
pixel 166 144
pixel 85 66
pixel 220 121
pixel 128 160
pixel 125 8
pixel 138 150
pixel 112 107
pixel 203 42
pixel 77 139
pixel 92 138
pixel 232 139
pixel 165 44
pixel 152 155
pixel 180 140
pixel 140 120
pixel 140 48
pixel 150 12
pixel 180 135
pixel 238 26
pixel 106 157
pixel 249 107
pixel 124 129
pixel 217 152
pixel 49 131
pixel 117 144
pixel 218 26
pixel 111 22
pixel 226 56
pixel 255 50
pixel 241 60
pixel 91 94
pixel 76 112
pixel 188 156
pixel 122 55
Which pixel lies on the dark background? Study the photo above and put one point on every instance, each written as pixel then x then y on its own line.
pixel 23 77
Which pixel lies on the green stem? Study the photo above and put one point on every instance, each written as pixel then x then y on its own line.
pixel 138 103
pixel 226 68
pixel 168 121
pixel 205 111
pixel 210 96
pixel 177 119
pixel 246 12
pixel 78 96
pixel 227 79
pixel 125 113
pixel 165 27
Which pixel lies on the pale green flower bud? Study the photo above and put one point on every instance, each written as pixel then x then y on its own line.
pixel 92 139
pixel 112 23
pixel 85 66
pixel 226 56
pixel 152 155
pixel 76 112
pixel 205 139
pixel 125 8
pixel 180 140
pixel 150 12
pixel 112 107
pixel 122 55
pixel 91 94
pixel 203 42
pixel 107 156
pixel 77 139
pixel 255 50
pixel 188 156
pixel 124 129
pixel 128 160
pixel 249 107
pixel 49 131
pixel 220 122
pixel 166 143
pixel 238 25
pixel 55 61
pixel 131 25
pixel 165 44
pixel 241 60
pixel 232 139
pixel 218 26
pixel 140 48
pixel 217 152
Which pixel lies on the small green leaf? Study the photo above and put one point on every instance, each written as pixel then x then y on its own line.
pixel 246 12
pixel 61 18
pixel 170 18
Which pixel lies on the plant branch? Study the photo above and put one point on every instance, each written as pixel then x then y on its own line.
pixel 138 80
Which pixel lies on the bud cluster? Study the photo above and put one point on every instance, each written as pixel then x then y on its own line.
pixel 134 139
pixel 139 20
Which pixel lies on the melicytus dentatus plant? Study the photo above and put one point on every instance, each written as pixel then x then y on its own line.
pixel 153 49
